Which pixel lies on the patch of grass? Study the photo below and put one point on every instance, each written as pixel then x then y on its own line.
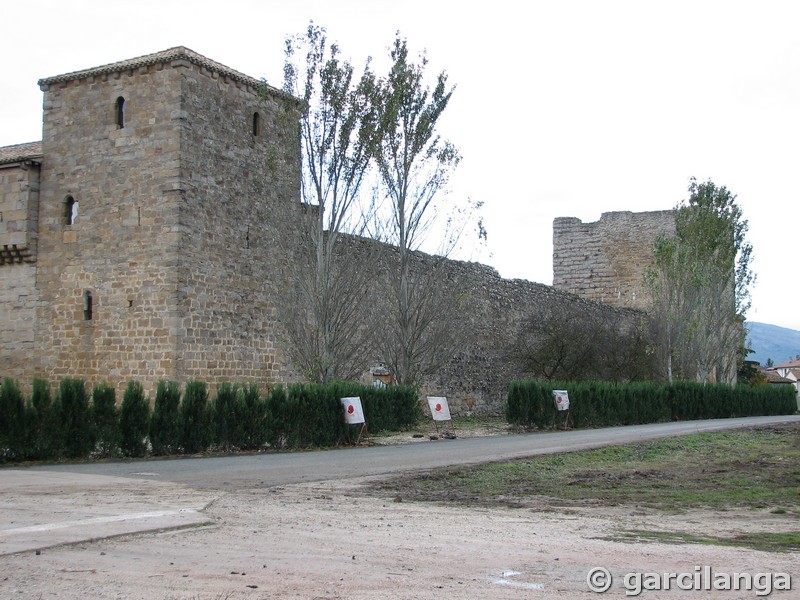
pixel 752 468
pixel 767 542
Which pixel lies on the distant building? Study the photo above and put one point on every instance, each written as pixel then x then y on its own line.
pixel 790 372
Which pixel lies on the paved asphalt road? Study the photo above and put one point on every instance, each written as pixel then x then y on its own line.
pixel 273 469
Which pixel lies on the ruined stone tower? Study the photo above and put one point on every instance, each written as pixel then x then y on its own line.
pixel 607 260
pixel 149 248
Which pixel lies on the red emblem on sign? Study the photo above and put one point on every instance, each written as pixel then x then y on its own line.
pixel 351 409
pixel 438 407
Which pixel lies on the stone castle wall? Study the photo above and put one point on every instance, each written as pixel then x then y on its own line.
pixel 187 224
pixel 607 260
pixel 19 204
pixel 490 312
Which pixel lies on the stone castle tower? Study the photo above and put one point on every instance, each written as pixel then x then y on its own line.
pixel 607 260
pixel 140 238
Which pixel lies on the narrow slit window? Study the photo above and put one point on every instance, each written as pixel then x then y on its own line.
pixel 119 110
pixel 87 305
pixel 256 124
pixel 70 210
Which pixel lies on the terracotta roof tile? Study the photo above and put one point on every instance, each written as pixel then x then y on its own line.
pixel 774 377
pixel 20 152
pixel 791 364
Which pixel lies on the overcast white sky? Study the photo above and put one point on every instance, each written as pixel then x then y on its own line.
pixel 562 108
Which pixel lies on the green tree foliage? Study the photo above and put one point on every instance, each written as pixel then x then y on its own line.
pixel 105 419
pixel 134 420
pixel 701 282
pixel 77 433
pixel 165 424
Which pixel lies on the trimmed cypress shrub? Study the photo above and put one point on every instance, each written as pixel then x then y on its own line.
pixel 225 424
pixel 165 423
pixel 195 434
pixel 134 421
pixel 531 405
pixel 74 418
pixel 311 415
pixel 602 404
pixel 12 422
pixel 323 411
pixel 251 414
pixel 105 419
pixel 43 438
pixel 278 418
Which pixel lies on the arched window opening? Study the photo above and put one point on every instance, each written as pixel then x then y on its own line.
pixel 87 305
pixel 120 112
pixel 70 210
pixel 256 124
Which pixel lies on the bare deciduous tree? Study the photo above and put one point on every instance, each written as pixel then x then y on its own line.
pixel 326 300
pixel 580 341
pixel 415 165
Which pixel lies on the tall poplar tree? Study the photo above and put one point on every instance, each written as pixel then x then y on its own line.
pixel 337 131
pixel 701 282
pixel 415 165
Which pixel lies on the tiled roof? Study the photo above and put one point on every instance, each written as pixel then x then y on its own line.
pixel 773 377
pixel 792 364
pixel 176 53
pixel 20 152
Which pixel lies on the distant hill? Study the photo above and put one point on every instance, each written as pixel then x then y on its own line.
pixel 770 341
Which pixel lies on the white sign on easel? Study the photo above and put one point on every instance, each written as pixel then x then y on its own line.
pixel 561 398
pixel 354 414
pixel 439 408
pixel 440 411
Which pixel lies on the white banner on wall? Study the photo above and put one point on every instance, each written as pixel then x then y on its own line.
pixel 353 413
pixel 562 399
pixel 439 408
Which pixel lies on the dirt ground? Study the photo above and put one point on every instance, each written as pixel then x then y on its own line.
pixel 330 540
pixel 348 539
